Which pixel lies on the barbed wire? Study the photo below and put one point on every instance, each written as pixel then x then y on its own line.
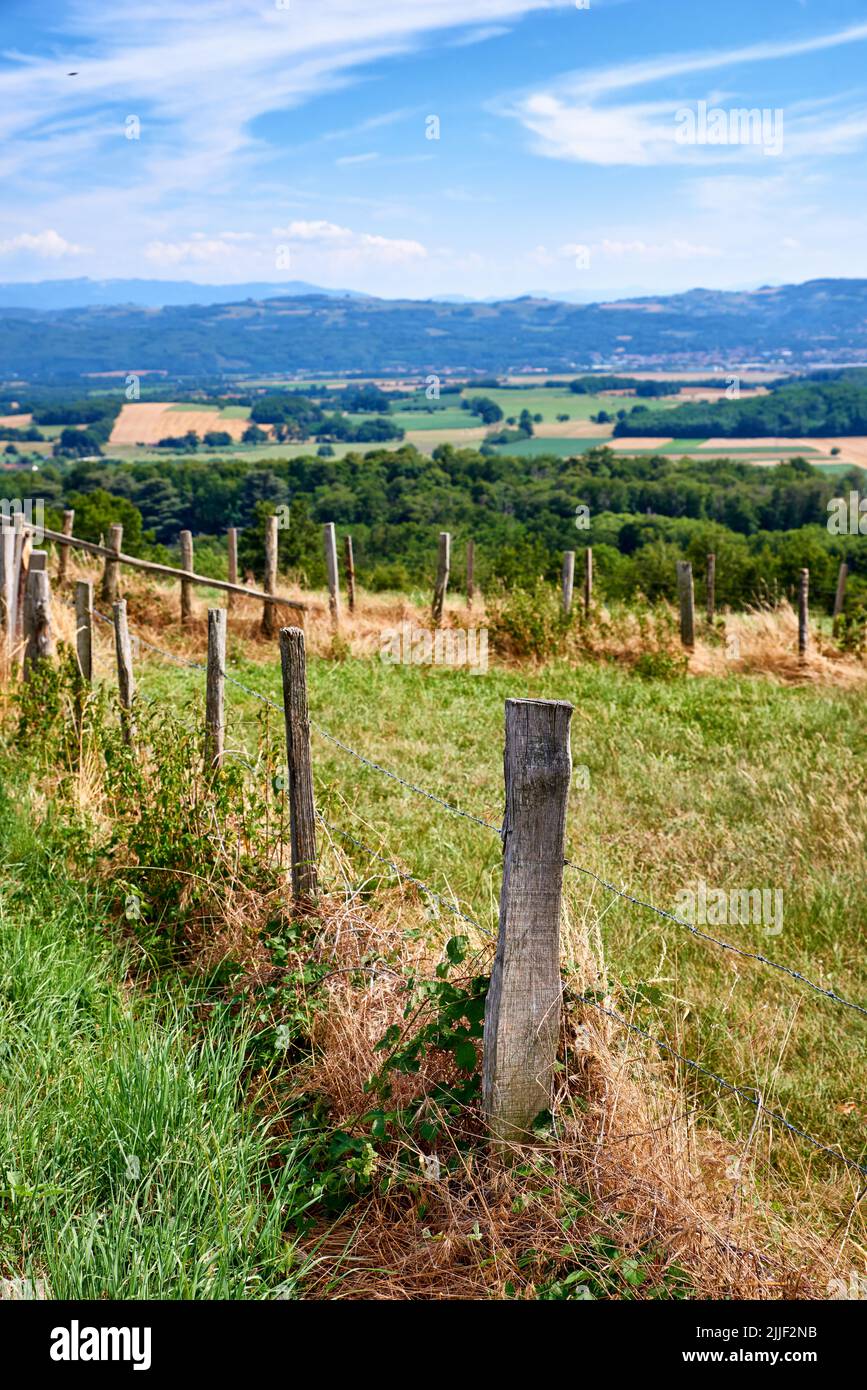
pixel 410 878
pixel 728 1085
pixel 717 941
pixel 723 945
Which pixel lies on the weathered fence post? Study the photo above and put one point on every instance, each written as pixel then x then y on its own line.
pixel 84 629
pixel 350 572
pixel 269 617
pixel 522 1012
pixel 588 580
pixel 686 595
pixel 329 536
pixel 63 557
pixel 125 677
pixel 185 541
pixel 442 580
pixel 710 588
pixel 7 582
pixel 232 548
pixel 215 723
pixel 111 573
pixel 37 613
pixel 803 613
pixel 21 565
pixel 471 572
pixel 568 579
pixel 840 596
pixel 302 812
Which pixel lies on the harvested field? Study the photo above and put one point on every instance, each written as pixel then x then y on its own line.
pixel 147 422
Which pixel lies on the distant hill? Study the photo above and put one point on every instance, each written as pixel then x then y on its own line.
pixel 806 325
pixel 147 294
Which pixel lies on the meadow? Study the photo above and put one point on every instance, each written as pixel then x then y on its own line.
pixel 735 774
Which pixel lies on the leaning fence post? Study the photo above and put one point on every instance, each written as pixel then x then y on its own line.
pixel 588 580
pixel 840 596
pixel 302 812
pixel 63 557
pixel 84 629
pixel 271 539
pixel 522 1011
pixel 710 588
pixel 350 572
pixel 185 541
pixel 111 573
pixel 442 580
pixel 125 677
pixel 37 613
pixel 330 538
pixel 215 724
pixel 232 548
pixel 803 613
pixel 471 576
pixel 686 595
pixel 568 579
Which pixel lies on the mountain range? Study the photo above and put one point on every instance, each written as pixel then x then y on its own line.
pixel 815 323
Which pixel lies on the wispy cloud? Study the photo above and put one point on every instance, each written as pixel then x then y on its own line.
pixel 576 118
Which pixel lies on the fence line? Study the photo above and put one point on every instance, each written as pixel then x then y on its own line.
pixel 585 998
pixel 497 830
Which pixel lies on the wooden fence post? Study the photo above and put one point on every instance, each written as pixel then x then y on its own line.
pixel 269 617
pixel 21 565
pixel 8 593
pixel 63 557
pixel 568 579
pixel 350 572
pixel 686 595
pixel 803 613
pixel 441 587
pixel 710 588
pixel 84 629
pixel 302 811
pixel 471 572
pixel 232 547
pixel 215 723
pixel 588 580
pixel 522 1012
pixel 185 541
pixel 329 536
pixel 37 613
pixel 840 596
pixel 111 573
pixel 125 677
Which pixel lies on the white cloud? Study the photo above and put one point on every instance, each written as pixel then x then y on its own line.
pixel 198 250
pixel 357 158
pixel 347 247
pixel 48 244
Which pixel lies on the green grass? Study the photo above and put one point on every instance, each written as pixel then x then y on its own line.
pixel 129 1165
pixel 739 781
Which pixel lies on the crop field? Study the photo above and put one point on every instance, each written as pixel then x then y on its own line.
pixel 147 422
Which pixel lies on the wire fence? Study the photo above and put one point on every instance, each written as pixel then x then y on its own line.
pixel 743 1093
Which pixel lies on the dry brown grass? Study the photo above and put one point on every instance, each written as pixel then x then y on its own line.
pixel 760 642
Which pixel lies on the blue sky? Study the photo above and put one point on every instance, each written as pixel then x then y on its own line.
pixel 289 139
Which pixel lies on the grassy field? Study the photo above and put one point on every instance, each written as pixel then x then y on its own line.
pixel 740 782
pixel 147 1112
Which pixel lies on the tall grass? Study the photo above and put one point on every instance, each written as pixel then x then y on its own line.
pixel 134 1163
